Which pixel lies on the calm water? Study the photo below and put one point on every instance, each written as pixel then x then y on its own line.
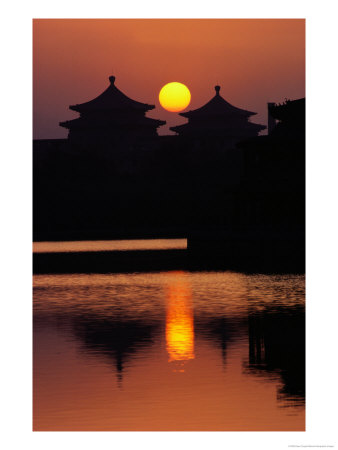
pixel 169 351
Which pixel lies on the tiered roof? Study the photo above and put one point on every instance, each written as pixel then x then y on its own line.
pixel 218 117
pixel 217 106
pixel 112 109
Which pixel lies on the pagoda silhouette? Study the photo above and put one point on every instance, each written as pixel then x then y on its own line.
pixel 110 117
pixel 219 119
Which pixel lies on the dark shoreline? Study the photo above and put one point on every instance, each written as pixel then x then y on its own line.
pixel 155 261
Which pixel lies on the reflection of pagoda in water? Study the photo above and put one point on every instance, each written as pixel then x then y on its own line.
pixel 117 340
pixel 219 119
pixel 277 346
pixel 110 116
pixel 219 331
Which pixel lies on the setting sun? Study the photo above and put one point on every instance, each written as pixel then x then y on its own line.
pixel 174 96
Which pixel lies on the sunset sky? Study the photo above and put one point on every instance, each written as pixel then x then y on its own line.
pixel 255 61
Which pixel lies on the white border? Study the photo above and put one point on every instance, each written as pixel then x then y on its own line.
pixel 322 221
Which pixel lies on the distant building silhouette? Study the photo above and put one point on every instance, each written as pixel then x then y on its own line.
pixel 289 118
pixel 118 340
pixel 219 119
pixel 110 117
pixel 277 346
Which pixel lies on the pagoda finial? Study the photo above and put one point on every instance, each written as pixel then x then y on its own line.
pixel 112 79
pixel 217 89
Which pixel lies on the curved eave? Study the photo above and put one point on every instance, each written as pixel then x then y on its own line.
pixel 147 121
pixel 177 129
pixel 81 122
pixel 247 125
pixel 255 126
pixel 197 113
pixel 66 124
pixel 187 127
pixel 159 123
pixel 81 108
pixel 261 127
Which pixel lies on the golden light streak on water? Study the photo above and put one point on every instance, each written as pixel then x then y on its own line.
pixel 179 320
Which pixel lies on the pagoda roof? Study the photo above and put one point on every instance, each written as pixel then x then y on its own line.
pixel 111 99
pixel 81 122
pixel 217 106
pixel 189 128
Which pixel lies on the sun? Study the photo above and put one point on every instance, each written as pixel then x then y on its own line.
pixel 174 96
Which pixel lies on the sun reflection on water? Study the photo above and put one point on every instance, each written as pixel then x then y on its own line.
pixel 179 321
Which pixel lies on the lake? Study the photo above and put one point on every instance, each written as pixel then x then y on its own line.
pixel 169 351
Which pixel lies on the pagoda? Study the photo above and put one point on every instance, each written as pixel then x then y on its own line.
pixel 110 117
pixel 219 119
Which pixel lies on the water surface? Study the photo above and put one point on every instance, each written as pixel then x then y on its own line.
pixel 169 351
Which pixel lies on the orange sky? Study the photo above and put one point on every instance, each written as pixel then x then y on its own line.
pixel 254 62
